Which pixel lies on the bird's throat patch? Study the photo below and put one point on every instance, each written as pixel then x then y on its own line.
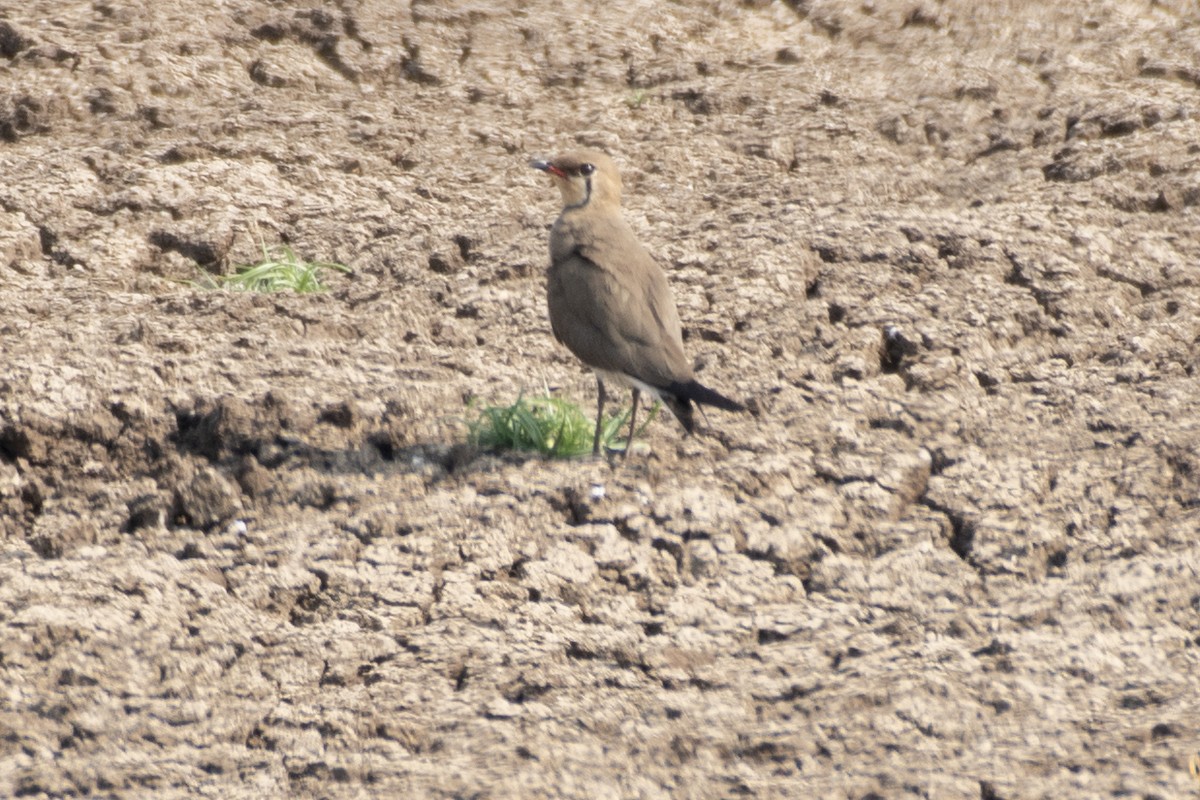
pixel 587 195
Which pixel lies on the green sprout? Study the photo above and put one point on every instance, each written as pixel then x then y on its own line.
pixel 551 426
pixel 637 98
pixel 279 270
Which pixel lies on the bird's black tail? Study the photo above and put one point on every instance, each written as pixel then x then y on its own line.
pixel 680 396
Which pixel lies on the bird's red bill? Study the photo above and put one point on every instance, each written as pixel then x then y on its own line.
pixel 549 166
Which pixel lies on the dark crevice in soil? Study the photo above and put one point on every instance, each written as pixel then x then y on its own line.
pixel 962 536
pixel 895 350
pixel 783 566
pixel 1144 288
pixel 1018 276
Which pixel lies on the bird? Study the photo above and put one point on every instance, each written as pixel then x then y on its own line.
pixel 609 300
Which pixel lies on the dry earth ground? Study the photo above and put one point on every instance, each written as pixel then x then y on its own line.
pixel 948 251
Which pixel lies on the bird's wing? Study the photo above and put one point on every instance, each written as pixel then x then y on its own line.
pixel 612 308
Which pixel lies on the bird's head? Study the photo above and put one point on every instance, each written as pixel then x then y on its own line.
pixel 585 178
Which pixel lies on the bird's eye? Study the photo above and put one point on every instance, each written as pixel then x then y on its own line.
pixel 587 169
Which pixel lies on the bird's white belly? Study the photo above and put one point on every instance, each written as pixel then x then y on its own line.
pixel 628 382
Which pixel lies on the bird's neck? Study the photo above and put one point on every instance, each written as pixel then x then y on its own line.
pixel 596 208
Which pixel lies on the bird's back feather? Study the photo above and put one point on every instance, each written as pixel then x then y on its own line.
pixel 610 303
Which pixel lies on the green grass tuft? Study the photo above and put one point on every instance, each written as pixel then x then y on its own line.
pixel 637 98
pixel 279 270
pixel 551 426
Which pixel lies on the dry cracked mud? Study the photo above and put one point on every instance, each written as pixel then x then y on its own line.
pixel 948 252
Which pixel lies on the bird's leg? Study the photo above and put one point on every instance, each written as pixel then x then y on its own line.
pixel 599 415
pixel 637 394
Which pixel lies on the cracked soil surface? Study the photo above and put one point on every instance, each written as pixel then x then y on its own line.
pixel 948 252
